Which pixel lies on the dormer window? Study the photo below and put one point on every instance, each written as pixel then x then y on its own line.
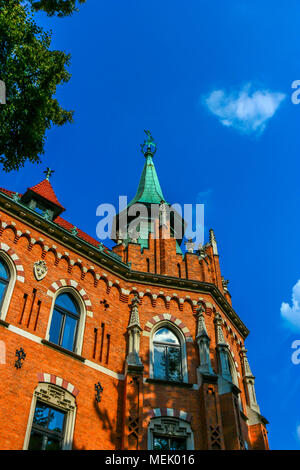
pixel 41 209
pixel 42 199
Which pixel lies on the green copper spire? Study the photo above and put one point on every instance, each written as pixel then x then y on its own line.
pixel 149 190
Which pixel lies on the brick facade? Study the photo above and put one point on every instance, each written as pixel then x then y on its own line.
pixel 107 284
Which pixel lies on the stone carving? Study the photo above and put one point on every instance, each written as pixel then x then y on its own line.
pixel 40 270
pixel 170 427
pixel 134 332
pixel 55 396
pixel 225 283
pixel 164 213
pixel 201 252
pixel 190 245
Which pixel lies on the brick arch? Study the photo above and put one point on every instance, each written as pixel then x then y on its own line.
pixel 71 283
pixel 55 380
pixel 15 259
pixel 167 316
pixel 171 413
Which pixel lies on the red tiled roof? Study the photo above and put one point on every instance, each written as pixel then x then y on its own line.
pixel 6 191
pixel 64 223
pixel 45 190
pixel 68 226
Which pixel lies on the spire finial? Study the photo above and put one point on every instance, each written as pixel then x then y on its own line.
pixel 48 172
pixel 149 146
pixel 213 241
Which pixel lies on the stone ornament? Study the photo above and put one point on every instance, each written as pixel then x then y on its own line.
pixel 40 270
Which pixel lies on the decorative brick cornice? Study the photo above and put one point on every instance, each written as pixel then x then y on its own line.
pixel 168 317
pixel 71 283
pixel 116 266
pixel 170 412
pixel 15 259
pixel 53 379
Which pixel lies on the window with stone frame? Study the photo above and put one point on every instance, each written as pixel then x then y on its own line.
pixel 51 420
pixel 166 433
pixel 167 355
pixel 65 321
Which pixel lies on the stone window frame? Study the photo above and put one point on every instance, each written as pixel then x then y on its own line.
pixel 182 339
pixel 10 286
pixel 82 318
pixel 58 397
pixel 170 427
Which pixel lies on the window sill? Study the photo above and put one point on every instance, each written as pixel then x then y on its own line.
pixel 4 323
pixel 63 350
pixel 169 382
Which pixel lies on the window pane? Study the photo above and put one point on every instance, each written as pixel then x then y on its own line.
pixel 174 364
pixel 36 441
pixel 56 421
pixel 55 327
pixel 177 444
pixel 159 362
pixel 39 209
pixel 41 415
pixel 2 290
pixel 3 271
pixel 165 336
pixel 69 333
pixel 160 443
pixel 67 302
pixel 53 444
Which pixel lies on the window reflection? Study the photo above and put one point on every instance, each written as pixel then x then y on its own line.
pixel 47 428
pixel 167 356
pixel 4 280
pixel 64 323
pixel 168 443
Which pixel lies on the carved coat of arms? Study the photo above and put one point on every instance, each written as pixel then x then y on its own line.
pixel 40 270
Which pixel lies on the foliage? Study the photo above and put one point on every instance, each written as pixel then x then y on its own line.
pixel 56 7
pixel 31 72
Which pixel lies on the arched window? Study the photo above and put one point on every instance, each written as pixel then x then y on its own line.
pixel 167 355
pixel 65 321
pixel 4 281
pixel 8 276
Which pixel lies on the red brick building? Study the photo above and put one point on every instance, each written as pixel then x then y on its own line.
pixel 132 348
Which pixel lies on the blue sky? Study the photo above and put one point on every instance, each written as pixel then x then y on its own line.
pixel 212 80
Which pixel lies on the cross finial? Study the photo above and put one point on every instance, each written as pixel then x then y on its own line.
pixel 48 172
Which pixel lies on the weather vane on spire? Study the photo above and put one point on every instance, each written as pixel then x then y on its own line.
pixel 149 146
pixel 48 172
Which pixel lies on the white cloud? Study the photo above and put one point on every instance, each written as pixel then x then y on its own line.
pixel 298 432
pixel 291 313
pixel 245 110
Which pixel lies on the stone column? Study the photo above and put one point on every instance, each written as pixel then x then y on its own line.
pixel 133 387
pixel 208 391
